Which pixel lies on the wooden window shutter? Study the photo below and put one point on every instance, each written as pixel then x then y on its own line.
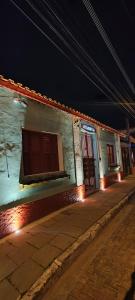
pixel 40 152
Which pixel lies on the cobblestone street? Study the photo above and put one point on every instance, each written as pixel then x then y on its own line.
pixel 104 269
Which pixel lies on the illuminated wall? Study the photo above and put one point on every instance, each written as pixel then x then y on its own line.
pixel 96 156
pixel 104 139
pixel 118 151
pixel 78 151
pixel 11 120
pixel 14 115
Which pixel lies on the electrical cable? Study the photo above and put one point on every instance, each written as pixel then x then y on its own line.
pixel 107 41
pixel 59 48
pixel 91 60
pixel 56 45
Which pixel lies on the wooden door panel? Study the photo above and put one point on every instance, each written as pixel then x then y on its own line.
pixel 88 162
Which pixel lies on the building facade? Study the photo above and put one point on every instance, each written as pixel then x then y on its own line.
pixel 110 161
pixel 128 153
pixel 50 156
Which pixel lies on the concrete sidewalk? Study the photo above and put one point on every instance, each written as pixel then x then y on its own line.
pixel 34 256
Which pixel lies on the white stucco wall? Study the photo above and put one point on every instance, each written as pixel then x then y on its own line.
pixel 118 151
pixel 78 151
pixel 35 116
pixel 105 138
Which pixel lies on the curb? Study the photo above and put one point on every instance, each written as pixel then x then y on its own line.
pixel 58 265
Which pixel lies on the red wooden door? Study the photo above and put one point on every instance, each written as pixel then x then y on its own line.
pixel 88 162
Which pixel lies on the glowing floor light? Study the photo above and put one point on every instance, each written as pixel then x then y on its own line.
pixel 17 231
pixel 102 185
pixel 81 195
pixel 119 177
pixel 82 200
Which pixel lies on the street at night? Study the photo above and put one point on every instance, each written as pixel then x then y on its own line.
pixel 67 150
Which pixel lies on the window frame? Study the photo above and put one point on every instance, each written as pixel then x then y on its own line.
pixel 47 175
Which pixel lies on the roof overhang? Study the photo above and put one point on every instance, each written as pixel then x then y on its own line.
pixel 27 92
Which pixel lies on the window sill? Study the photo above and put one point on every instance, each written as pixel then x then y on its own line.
pixel 35 178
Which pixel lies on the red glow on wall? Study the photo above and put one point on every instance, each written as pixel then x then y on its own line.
pixel 102 184
pixel 81 193
pixel 119 177
pixel 12 219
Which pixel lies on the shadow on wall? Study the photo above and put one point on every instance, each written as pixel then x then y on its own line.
pixel 130 295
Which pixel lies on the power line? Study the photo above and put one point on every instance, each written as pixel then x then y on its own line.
pixel 56 45
pixel 67 44
pixel 60 49
pixel 90 60
pixel 107 41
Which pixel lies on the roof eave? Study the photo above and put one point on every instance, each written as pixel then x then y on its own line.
pixel 25 91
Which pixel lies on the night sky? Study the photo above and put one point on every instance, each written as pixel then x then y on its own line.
pixel 27 56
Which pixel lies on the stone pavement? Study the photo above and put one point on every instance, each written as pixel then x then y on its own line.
pixel 29 258
pixel 103 270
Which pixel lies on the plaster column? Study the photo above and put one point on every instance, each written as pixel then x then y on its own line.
pixel 78 151
pixel 100 157
pixel 118 151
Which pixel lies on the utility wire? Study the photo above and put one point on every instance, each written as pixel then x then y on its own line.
pixel 90 60
pixel 66 43
pixel 56 45
pixel 59 48
pixel 75 25
pixel 60 36
pixel 107 41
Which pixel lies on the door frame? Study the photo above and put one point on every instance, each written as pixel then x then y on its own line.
pixel 91 131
